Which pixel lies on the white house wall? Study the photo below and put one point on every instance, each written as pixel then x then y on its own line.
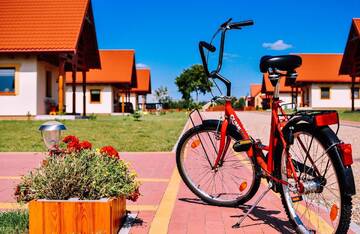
pixel 132 100
pixel 340 96
pixel 25 101
pixel 42 67
pixel 104 107
pixel 286 98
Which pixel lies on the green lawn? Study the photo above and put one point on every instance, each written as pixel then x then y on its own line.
pixel 151 133
pixel 348 115
pixel 14 222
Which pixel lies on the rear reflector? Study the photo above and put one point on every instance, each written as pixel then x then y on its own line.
pixel 326 119
pixel 346 152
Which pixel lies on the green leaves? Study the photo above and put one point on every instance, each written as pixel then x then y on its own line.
pixel 192 80
pixel 86 175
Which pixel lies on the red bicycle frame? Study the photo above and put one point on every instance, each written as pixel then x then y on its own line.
pixel 276 135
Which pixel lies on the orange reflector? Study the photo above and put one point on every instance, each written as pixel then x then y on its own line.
pixel 296 199
pixel 333 212
pixel 195 143
pixel 243 186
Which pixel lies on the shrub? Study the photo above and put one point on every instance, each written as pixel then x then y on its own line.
pixel 136 116
pixel 77 171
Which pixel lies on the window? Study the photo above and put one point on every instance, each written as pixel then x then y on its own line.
pixel 95 96
pixel 48 84
pixel 356 93
pixel 325 92
pixel 7 81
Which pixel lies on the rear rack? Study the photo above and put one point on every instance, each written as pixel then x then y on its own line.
pixel 319 117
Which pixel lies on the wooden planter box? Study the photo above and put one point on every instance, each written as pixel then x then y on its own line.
pixel 76 216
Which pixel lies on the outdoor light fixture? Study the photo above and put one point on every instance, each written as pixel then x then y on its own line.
pixel 50 132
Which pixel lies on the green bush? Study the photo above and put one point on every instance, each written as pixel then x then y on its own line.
pixel 79 172
pixel 136 115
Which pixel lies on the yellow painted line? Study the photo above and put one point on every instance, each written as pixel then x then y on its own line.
pixel 162 217
pixel 141 207
pixel 12 206
pixel 315 220
pixel 10 177
pixel 153 180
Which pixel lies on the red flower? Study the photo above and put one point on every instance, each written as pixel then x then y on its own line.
pixel 73 146
pixel 85 145
pixel 70 138
pixel 134 196
pixel 110 151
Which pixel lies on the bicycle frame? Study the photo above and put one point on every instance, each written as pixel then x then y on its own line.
pixel 276 135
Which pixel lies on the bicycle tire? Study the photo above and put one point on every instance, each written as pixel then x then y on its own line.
pixel 212 126
pixel 326 138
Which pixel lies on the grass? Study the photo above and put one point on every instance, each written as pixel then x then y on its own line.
pixel 14 222
pixel 348 115
pixel 150 133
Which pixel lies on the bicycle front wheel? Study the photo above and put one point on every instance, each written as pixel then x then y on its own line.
pixel 322 206
pixel 234 182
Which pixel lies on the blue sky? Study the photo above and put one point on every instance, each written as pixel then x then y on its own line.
pixel 165 34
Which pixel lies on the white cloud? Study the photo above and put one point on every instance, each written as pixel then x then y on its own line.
pixel 141 65
pixel 277 45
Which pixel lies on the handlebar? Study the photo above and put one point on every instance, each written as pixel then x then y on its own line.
pixel 202 44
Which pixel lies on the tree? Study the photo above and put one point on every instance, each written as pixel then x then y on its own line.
pixel 191 80
pixel 162 94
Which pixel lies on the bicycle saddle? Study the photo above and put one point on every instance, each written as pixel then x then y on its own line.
pixel 281 62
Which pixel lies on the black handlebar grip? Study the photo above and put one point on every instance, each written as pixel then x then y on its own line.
pixel 238 25
pixel 208 46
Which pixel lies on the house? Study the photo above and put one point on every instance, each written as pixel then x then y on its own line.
pixel 255 98
pixel 350 63
pixel 286 93
pixel 39 42
pixel 320 83
pixel 114 88
pixel 143 88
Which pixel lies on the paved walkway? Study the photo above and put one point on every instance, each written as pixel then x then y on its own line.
pixel 166 205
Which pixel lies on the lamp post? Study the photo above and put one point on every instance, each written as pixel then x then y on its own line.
pixel 51 132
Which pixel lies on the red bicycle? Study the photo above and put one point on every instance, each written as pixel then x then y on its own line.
pixel 305 161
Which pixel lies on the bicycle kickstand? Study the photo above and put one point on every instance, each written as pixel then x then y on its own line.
pixel 241 219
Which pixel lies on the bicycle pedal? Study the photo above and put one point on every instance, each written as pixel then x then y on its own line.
pixel 242 145
pixel 296 199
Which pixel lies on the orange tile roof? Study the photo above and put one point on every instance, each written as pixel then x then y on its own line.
pixel 255 89
pixel 357 24
pixel 267 87
pixel 143 81
pixel 117 67
pixel 41 25
pixel 321 68
pixel 352 51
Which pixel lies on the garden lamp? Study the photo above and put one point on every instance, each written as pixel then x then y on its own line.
pixel 50 132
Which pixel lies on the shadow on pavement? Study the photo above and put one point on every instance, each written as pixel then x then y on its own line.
pixel 259 213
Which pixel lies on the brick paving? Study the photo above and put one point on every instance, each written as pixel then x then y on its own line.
pixel 189 214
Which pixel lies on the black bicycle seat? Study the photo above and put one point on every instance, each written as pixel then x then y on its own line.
pixel 281 62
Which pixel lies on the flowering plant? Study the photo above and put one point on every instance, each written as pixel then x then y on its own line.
pixel 76 170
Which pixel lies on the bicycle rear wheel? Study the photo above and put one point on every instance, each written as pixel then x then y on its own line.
pixel 233 183
pixel 323 205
